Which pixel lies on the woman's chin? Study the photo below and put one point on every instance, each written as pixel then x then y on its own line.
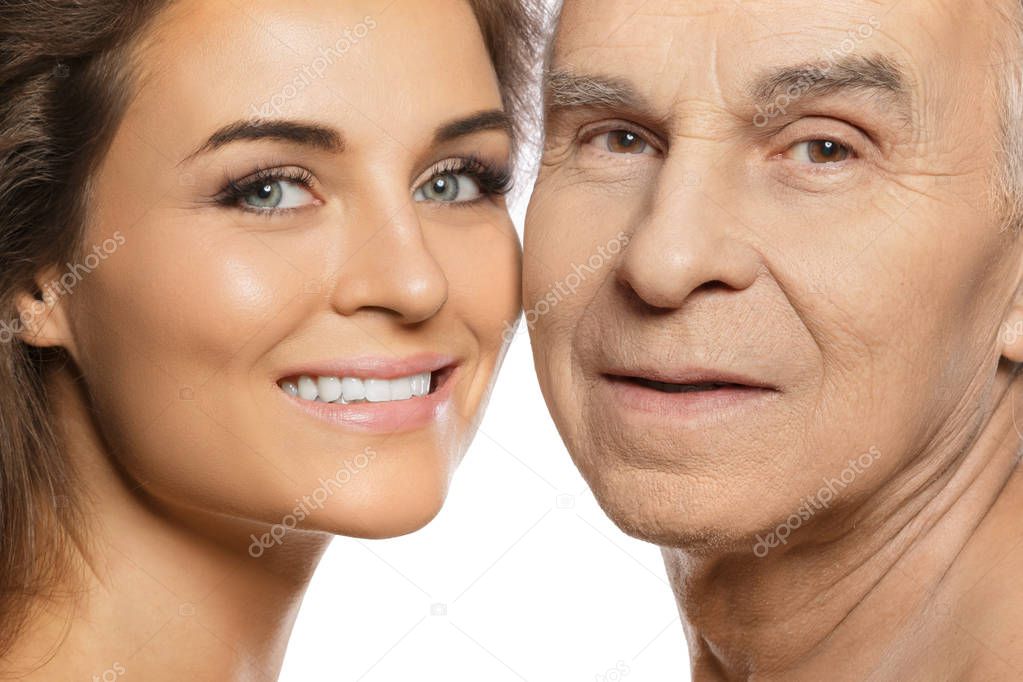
pixel 382 517
pixel 391 501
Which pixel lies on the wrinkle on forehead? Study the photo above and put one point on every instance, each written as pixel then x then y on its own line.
pixel 707 50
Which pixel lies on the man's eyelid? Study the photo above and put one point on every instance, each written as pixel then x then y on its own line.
pixel 854 153
pixel 778 143
pixel 822 127
pixel 591 131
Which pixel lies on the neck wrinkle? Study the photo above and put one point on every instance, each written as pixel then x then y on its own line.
pixel 864 577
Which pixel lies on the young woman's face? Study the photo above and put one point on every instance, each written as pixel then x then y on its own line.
pixel 301 196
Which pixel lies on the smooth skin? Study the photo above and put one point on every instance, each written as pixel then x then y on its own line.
pixel 845 256
pixel 184 445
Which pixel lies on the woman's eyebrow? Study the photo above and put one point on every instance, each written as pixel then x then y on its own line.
pixel 490 119
pixel 331 140
pixel 303 133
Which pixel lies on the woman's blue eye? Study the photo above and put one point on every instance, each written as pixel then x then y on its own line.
pixel 449 188
pixel 277 194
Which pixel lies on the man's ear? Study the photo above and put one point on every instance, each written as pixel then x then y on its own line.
pixel 42 314
pixel 1012 334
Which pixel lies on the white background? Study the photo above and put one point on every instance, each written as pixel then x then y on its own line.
pixel 520 577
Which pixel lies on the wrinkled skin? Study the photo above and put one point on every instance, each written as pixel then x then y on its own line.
pixel 874 296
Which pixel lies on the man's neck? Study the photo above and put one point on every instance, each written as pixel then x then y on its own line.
pixel 883 598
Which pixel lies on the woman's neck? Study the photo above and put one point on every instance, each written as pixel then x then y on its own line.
pixel 160 592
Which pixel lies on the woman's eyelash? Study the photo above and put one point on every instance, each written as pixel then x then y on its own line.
pixel 238 189
pixel 493 181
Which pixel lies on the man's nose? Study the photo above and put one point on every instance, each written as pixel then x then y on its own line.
pixel 684 241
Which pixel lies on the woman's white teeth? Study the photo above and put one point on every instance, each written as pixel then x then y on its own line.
pixel 378 390
pixel 307 389
pixel 329 389
pixel 350 389
pixel 420 383
pixel 353 389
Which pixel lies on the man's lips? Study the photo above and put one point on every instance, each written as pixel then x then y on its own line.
pixel 684 380
pixel 686 397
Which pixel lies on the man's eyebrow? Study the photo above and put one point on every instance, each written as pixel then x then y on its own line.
pixel 491 119
pixel 308 134
pixel 565 89
pixel 875 74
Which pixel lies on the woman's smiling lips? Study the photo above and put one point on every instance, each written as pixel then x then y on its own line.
pixel 381 395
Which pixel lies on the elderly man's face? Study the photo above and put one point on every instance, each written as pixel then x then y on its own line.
pixel 762 244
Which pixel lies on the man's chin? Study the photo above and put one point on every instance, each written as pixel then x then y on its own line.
pixel 671 510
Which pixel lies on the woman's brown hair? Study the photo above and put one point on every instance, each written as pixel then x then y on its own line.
pixel 66 77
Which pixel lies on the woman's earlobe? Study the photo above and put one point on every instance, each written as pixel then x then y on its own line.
pixel 41 319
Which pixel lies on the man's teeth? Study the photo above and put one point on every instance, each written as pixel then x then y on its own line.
pixel 345 390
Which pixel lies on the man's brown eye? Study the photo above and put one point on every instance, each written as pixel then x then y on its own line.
pixel 625 142
pixel 827 151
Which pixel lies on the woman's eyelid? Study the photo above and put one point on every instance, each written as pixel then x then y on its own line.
pixel 235 194
pixel 470 165
pixel 255 185
pixel 253 181
pixel 470 169
pixel 435 170
pixel 271 173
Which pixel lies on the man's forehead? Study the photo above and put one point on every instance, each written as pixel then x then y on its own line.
pixel 754 30
pixel 669 50
pixel 618 23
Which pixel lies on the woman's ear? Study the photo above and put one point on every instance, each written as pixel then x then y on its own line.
pixel 42 314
